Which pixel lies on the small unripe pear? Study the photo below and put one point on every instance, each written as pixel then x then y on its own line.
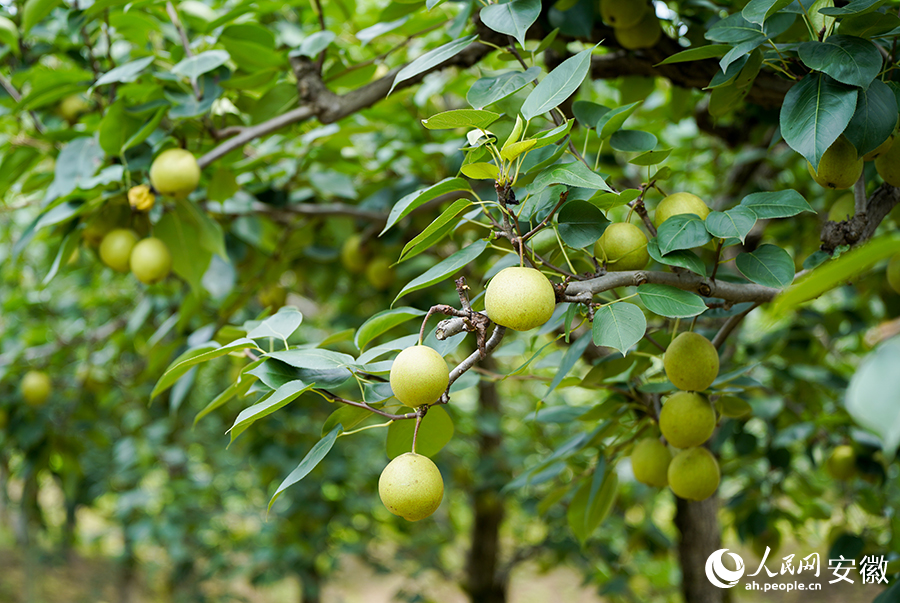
pixel 893 273
pixel 691 362
pixel 150 261
pixel 36 387
pixel 694 474
pixel 72 107
pixel 411 486
pixel 175 172
pixel 883 148
pixel 623 246
pixel 644 34
pixel 519 298
pixel 842 209
pixel 679 203
pixel 380 274
pixel 841 464
pixel 352 256
pixel 544 242
pixel 419 376
pixel 687 419
pixel 115 249
pixel 839 167
pixel 650 462
pixel 623 13
pixel 888 165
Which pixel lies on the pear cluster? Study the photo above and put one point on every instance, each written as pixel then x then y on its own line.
pixel 687 421
pixel 634 22
pixel 148 259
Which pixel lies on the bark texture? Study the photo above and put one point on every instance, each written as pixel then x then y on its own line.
pixel 699 527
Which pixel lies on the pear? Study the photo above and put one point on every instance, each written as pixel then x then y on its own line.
pixel 840 167
pixel 411 486
pixel 650 462
pixel 623 246
pixel 687 420
pixel 644 34
pixel 694 474
pixel 520 298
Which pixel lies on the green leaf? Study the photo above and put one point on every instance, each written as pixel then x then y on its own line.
pixel 237 389
pixel 180 233
pixel 209 233
pixel 513 18
pixel 415 199
pixel 651 157
pixel 848 59
pixel 618 326
pixel 70 242
pixel 313 44
pixel 116 128
pixel 278 399
pixel 873 396
pixel 815 112
pixel 733 30
pixel 9 35
pixel 444 269
pixel 682 258
pixel 435 432
pixel 309 462
pixel 588 113
pixel 195 356
pixel 681 231
pixel 757 11
pixel 835 273
pixel 613 119
pixel 580 223
pixel 489 90
pixel 548 137
pixel 576 349
pixel 127 72
pixel 767 265
pixel 511 152
pixel 776 204
pixel 36 11
pixel 671 302
pixel 195 66
pixel 436 231
pixel 282 324
pixel 584 519
pixel 559 85
pixel 733 223
pixel 609 200
pixel 857 7
pixel 869 25
pixel 431 59
pixel 481 171
pixel 461 118
pixel 875 117
pixel 383 322
pixel 710 51
pixel 632 141
pixel 251 46
pixel 146 130
pixel 571 174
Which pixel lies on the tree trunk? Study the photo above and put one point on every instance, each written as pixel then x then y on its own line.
pixel 485 583
pixel 68 535
pixel 700 537
pixel 128 575
pixel 311 587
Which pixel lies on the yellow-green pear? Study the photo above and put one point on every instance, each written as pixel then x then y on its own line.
pixel 888 164
pixel 623 246
pixel 839 167
pixel 519 298
pixel 36 387
pixel 841 464
pixel 644 34
pixel 411 486
pixel 843 208
pixel 623 13
pixel 650 462
pixel 687 419
pixel 419 376
pixel 893 273
pixel 883 148
pixel 115 249
pixel 380 274
pixel 175 172
pixel 769 538
pixel 352 257
pixel 679 203
pixel 150 261
pixel 694 474
pixel 691 362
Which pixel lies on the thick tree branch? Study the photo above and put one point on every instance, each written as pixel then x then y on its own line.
pixel 318 101
pixel 861 227
pixel 583 291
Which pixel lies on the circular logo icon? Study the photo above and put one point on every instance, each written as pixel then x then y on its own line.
pixel 721 576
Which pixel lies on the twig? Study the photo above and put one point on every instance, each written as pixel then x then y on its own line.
pixel 716 261
pixel 735 292
pixel 321 61
pixel 562 199
pixel 730 325
pixel 14 94
pixel 185 43
pixel 247 134
pixel 859 193
pixel 474 357
pixel 335 398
